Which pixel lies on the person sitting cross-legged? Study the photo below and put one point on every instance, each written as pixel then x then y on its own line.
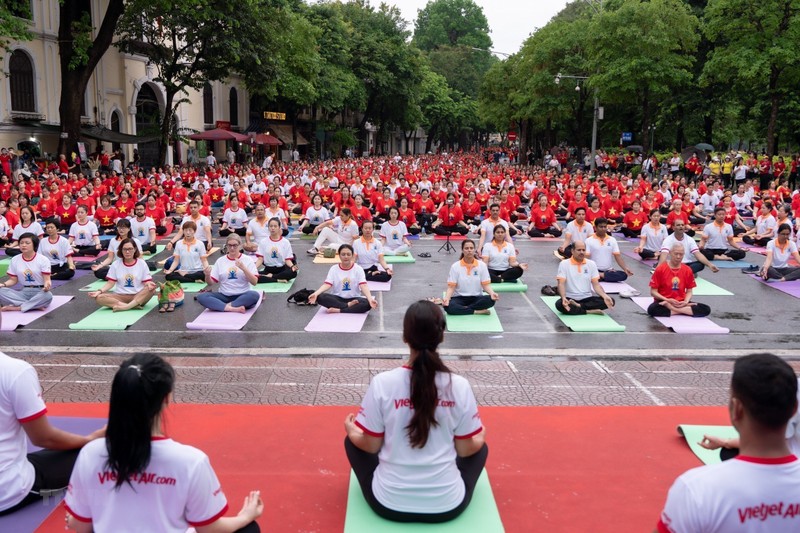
pixel 130 279
pixel 32 271
pixel 671 287
pixel 340 292
pixel 717 242
pixel 602 248
pixel 577 278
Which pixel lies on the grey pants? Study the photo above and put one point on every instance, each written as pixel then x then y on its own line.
pixel 26 298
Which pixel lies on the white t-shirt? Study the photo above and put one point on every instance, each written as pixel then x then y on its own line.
pixel 130 279
pixel 257 230
pixel 83 234
pixel 418 480
pixel 487 226
pixel 113 245
pixel 579 233
pixel 33 227
pixel 468 280
pixel 274 253
pixel 347 232
pixel 744 494
pixel 5 229
pixel 280 214
pixel 316 216
pixel 57 252
pixel 393 234
pixel 346 283
pixel 498 257
pixel 781 256
pixel 177 490
pixel 202 222
pixel 190 256
pixel 765 224
pixel 689 247
pixel 716 236
pixel 741 202
pixel 29 273
pixel 235 219
pixel 654 237
pixel 578 277
pixel 368 254
pixel 140 229
pixel 603 251
pixel 20 402
pixel 231 278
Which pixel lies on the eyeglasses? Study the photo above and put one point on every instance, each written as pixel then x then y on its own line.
pixel 128 249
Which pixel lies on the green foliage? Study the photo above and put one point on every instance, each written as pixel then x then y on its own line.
pixel 450 23
pixel 14 22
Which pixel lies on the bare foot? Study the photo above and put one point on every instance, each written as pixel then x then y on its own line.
pixel 483 312
pixel 11 308
pixel 351 303
pixel 333 310
pixel 119 307
pixel 594 312
pixel 436 301
pixel 231 309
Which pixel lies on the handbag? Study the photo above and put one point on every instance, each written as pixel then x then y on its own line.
pixel 170 292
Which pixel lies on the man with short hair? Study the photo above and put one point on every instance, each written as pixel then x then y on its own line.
pixel 692 256
pixel 202 222
pixel 717 242
pixel 336 232
pixel 577 278
pixel 578 230
pixel 602 248
pixel 671 288
pixel 758 490
pixel 143 228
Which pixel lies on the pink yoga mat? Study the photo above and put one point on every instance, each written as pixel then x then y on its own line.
pixel 683 324
pixel 379 286
pixel 216 320
pixel 12 320
pixel 792 288
pixel 455 237
pixel 336 322
pixel 636 257
pixel 615 288
pixel 88 258
pixel 755 249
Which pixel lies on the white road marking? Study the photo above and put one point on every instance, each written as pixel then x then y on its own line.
pixel 547 325
pixel 381 327
pixel 644 389
pixel 512 367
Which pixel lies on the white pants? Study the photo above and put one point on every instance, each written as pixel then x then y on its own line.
pixel 26 298
pixel 400 250
pixel 329 236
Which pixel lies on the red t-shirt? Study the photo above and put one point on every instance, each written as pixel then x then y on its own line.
pixel 635 221
pixel 542 218
pixel 105 217
pixel 673 283
pixel 450 216
pixel 673 216
pixel 46 208
pixel 360 214
pixel 68 214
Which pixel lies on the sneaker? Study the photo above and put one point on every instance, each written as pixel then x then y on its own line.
pixel 630 293
pixel 558 254
pixel 312 251
pixel 751 269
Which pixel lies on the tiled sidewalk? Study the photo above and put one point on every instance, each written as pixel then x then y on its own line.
pixel 337 381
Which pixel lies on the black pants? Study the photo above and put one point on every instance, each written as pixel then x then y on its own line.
pixel 631 234
pixel 698 309
pixel 736 255
pixel 787 273
pixel 337 302
pixel 61 272
pixel 364 465
pixel 309 229
pixel 239 231
pixel 539 233
pixel 696 267
pixel 282 272
pixel 747 239
pixel 450 230
pixel 189 277
pixel 376 274
pixel 90 251
pixel 591 303
pixel 648 254
pixel 510 274
pixel 467 305
pixel 414 231
pixel 425 220
pixel 53 469
pixel 11 252
pixel 149 248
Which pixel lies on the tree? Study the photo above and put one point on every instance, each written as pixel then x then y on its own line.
pixel 438 109
pixel 184 41
pixel 755 52
pixel 14 25
pixel 640 51
pixel 79 55
pixel 451 23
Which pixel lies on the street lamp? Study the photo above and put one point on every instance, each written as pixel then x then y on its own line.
pixel 652 129
pixel 596 113
pixel 490 51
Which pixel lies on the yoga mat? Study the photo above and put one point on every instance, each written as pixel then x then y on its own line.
pixel 452 237
pixel 215 320
pixel 636 257
pixel 481 514
pixel 706 288
pixel 396 259
pixel 792 288
pixel 694 434
pixel 546 239
pixel 475 323
pixel 755 249
pixel 159 248
pixel 106 319
pixel 192 288
pixel 584 323
pixel 28 519
pixel 515 286
pixel 615 287
pixel 379 286
pixel 305 237
pixel 336 322
pixel 12 320
pixel 89 258
pixel 683 323
pixel 326 260
pixel 731 264
pixel 78 274
pixel 170 228
pixel 3 268
pixel 274 287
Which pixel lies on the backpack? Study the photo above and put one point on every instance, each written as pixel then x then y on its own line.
pixel 300 297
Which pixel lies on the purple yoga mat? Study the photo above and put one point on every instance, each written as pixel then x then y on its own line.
pixel 78 274
pixel 11 320
pixel 89 258
pixel 755 249
pixel 223 321
pixel 336 322
pixel 615 288
pixel 792 288
pixel 379 286
pixel 636 257
pixel 31 517
pixel 682 323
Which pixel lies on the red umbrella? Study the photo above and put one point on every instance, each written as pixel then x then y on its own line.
pixel 265 138
pixel 219 135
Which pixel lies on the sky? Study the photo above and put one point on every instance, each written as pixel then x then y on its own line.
pixel 510 21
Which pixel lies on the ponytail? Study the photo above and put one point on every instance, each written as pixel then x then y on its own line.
pixel 138 391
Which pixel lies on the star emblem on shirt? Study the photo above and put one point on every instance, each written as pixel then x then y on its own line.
pixel 636 223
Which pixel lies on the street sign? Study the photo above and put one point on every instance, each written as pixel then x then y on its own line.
pixel 512 136
pixel 271 115
pixel 223 124
pixel 627 136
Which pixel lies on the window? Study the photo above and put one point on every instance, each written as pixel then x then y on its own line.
pixel 234 107
pixel 23 88
pixel 21 8
pixel 208 104
pixel 115 127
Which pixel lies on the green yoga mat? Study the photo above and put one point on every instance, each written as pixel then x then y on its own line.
pixel 159 248
pixel 475 323
pixel 305 237
pixel 480 516
pixel 3 268
pixel 706 288
pixel 191 288
pixel 694 434
pixel 584 323
pixel 274 287
pixel 397 259
pixel 106 319
pixel 509 287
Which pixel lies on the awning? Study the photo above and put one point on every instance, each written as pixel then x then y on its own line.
pixel 284 133
pixel 104 134
pixel 257 125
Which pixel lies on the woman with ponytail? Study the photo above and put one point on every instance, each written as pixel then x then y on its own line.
pixel 137 478
pixel 417 444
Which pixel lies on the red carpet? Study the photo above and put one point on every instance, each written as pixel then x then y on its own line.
pixel 553 469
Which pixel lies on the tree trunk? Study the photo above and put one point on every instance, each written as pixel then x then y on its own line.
pixel 166 128
pixel 315 149
pixel 645 118
pixel 429 140
pixel 294 130
pixel 708 128
pixel 680 137
pixel 775 102
pixel 75 78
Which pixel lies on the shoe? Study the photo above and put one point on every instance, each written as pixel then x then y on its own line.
pixel 312 251
pixel 629 293
pixel 751 269
pixel 558 255
pixel 549 290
